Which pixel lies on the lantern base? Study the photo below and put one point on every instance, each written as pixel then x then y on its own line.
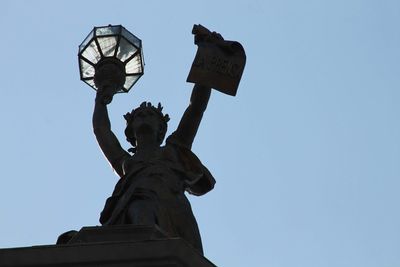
pixel 109 75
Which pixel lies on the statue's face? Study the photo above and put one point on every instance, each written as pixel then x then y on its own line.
pixel 146 121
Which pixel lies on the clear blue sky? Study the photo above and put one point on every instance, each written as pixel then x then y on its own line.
pixel 306 156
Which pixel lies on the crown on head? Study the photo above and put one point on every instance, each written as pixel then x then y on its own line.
pixel 130 115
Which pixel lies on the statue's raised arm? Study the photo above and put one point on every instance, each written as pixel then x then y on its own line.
pixel 108 142
pixel 192 116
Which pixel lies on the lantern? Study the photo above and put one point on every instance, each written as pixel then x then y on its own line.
pixel 111 59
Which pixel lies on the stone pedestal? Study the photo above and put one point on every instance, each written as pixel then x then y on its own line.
pixel 116 246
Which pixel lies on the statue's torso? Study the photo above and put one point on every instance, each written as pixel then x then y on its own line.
pixel 158 173
pixel 161 179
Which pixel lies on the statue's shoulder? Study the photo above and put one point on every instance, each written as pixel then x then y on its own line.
pixel 174 141
pixel 200 180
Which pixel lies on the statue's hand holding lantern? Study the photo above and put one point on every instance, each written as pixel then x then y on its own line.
pixel 111 60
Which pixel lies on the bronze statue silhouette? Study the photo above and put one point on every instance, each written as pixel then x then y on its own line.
pixel 154 178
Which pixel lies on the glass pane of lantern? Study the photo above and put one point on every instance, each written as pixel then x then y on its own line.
pixel 109 30
pixel 132 38
pixel 86 41
pixel 91 83
pixel 92 53
pixel 87 70
pixel 125 49
pixel 130 80
pixel 134 65
pixel 108 45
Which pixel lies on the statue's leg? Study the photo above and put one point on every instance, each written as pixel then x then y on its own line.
pixel 185 222
pixel 142 210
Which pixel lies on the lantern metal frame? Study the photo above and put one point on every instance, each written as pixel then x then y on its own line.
pixel 115 47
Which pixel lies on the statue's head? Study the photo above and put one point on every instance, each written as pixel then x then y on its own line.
pixel 146 118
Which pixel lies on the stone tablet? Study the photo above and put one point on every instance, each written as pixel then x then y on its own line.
pixel 218 63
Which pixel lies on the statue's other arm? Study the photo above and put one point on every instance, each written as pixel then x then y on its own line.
pixel 108 142
pixel 192 116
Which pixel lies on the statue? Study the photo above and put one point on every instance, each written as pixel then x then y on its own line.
pixel 154 178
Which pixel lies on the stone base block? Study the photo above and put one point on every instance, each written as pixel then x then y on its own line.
pixel 109 246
